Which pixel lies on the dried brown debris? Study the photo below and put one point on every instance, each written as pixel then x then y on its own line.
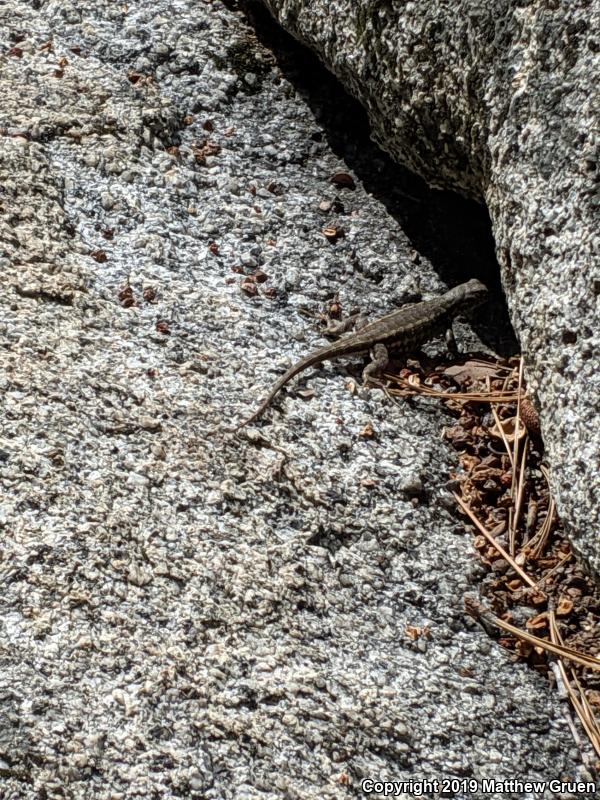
pixel 538 597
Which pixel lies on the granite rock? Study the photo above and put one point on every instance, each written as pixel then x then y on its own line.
pixel 193 616
pixel 500 102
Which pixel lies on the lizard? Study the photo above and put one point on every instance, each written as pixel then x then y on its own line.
pixel 402 331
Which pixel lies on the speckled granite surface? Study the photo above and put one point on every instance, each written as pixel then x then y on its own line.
pixel 501 101
pixel 185 617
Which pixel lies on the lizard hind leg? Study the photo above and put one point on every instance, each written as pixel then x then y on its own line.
pixel 379 360
pixel 351 323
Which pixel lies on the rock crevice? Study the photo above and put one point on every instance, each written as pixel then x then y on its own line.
pixel 499 102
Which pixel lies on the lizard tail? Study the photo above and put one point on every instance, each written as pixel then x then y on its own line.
pixel 281 382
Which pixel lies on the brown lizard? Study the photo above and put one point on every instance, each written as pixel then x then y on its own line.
pixel 402 331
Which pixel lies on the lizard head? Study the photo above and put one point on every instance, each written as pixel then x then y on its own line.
pixel 469 295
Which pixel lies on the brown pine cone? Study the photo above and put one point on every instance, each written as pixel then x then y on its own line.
pixel 530 417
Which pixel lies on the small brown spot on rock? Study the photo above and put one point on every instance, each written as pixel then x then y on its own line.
pixel 344 180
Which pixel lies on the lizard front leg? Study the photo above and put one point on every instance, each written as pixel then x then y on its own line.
pixel 379 360
pixel 451 341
